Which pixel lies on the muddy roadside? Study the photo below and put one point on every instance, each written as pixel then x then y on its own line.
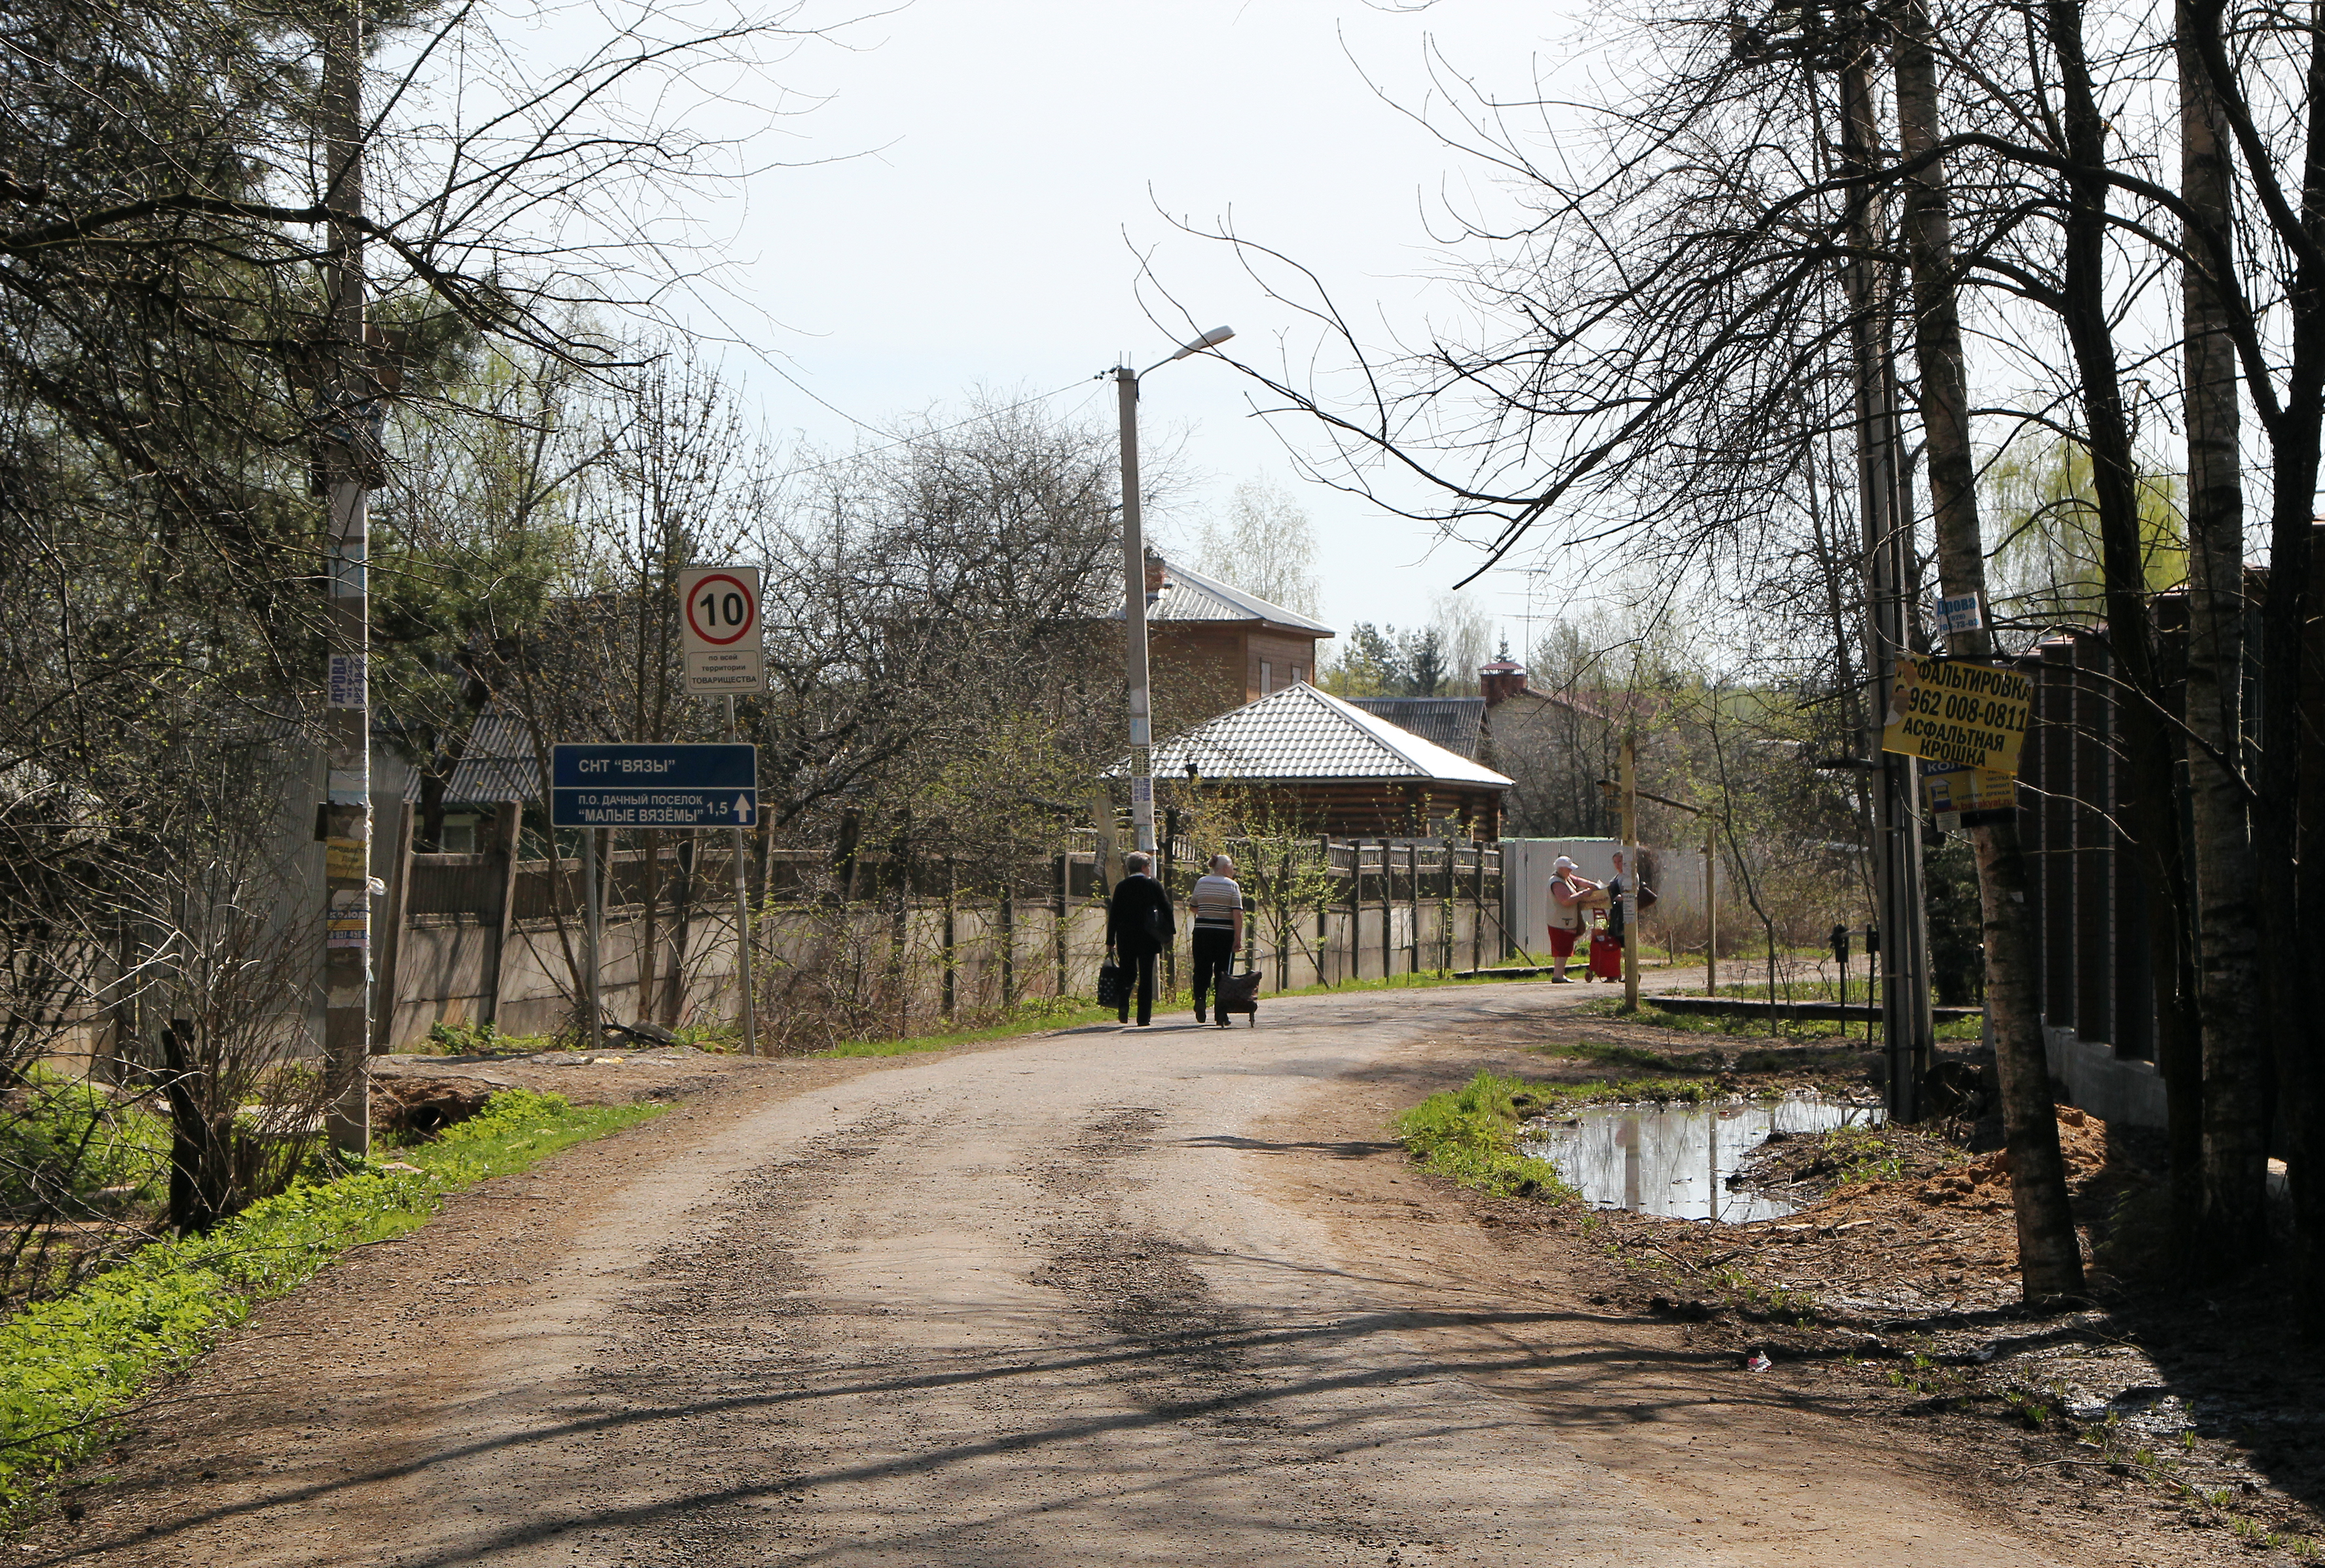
pixel 418 1093
pixel 2190 1422
pixel 350 1377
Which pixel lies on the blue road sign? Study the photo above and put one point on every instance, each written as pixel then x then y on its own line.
pixel 654 785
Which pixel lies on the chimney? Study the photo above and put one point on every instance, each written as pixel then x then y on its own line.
pixel 1505 678
pixel 1157 577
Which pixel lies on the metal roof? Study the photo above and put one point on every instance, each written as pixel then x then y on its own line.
pixel 1302 733
pixel 1188 596
pixel 1454 722
pixel 498 764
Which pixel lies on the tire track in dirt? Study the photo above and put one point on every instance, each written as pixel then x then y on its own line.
pixel 1146 1298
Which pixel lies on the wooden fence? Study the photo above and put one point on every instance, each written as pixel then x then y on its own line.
pixel 473 938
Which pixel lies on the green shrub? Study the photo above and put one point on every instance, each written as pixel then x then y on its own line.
pixel 465 1039
pixel 1855 1155
pixel 1470 1134
pixel 70 1366
pixel 70 1140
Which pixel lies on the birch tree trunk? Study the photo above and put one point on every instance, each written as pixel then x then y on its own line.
pixel 2050 1263
pixel 2147 806
pixel 2231 1229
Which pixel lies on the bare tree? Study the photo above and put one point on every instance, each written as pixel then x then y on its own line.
pixel 1264 544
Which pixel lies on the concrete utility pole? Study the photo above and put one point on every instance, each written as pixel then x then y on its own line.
pixel 1885 505
pixel 1134 592
pixel 1842 41
pixel 348 395
pixel 1133 618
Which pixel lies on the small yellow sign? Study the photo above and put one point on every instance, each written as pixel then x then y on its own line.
pixel 346 862
pixel 1971 793
pixel 1959 711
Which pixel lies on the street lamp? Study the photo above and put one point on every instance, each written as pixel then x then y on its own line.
pixel 1134 591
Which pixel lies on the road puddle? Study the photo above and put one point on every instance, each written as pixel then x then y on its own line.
pixel 1682 1161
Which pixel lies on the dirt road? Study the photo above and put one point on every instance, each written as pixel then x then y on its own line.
pixel 1156 1297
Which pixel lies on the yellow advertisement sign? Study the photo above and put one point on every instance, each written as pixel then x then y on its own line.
pixel 1972 796
pixel 1957 710
pixel 346 862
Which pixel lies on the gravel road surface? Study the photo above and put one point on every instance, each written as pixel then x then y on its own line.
pixel 1101 1296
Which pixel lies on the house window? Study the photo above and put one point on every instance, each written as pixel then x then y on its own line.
pixel 1266 678
pixel 1298 675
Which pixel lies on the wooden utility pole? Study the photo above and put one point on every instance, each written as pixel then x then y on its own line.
pixel 1712 908
pixel 1629 784
pixel 1628 794
pixel 348 397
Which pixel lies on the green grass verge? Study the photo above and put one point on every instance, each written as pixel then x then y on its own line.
pixel 1730 1023
pixel 1798 1031
pixel 1638 1056
pixel 69 1366
pixel 1471 1135
pixel 1048 1014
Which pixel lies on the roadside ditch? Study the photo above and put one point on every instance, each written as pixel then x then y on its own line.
pixel 1876 1267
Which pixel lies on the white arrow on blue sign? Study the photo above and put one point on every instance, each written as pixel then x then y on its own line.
pixel 654 785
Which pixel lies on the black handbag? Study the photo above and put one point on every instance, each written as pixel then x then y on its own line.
pixel 1113 984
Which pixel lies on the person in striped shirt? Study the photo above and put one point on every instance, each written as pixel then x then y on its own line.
pixel 1218 930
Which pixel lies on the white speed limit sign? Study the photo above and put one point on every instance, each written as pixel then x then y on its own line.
pixel 719 629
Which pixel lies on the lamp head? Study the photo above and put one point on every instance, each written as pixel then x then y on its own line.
pixel 1211 339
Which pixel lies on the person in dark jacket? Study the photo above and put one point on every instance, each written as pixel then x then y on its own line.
pixel 1138 924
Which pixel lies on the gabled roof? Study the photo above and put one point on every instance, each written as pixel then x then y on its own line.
pixel 1455 723
pixel 1302 733
pixel 1188 596
pixel 498 764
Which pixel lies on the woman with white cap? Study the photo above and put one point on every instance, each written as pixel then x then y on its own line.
pixel 1570 893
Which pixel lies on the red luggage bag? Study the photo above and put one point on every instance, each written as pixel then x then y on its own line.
pixel 1606 955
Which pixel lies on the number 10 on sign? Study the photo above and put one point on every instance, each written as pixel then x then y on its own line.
pixel 718 630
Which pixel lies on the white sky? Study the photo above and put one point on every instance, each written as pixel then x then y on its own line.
pixel 1014 151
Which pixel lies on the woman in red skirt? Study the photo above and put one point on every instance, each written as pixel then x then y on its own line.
pixel 1571 895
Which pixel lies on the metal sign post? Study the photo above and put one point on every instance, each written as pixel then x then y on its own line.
pixel 593 934
pixel 726 655
pixel 651 784
pixel 742 924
